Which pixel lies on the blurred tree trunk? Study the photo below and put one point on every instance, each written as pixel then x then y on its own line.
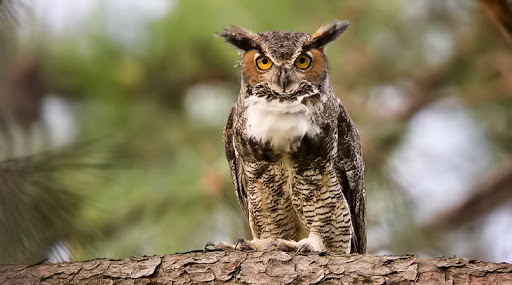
pixel 262 268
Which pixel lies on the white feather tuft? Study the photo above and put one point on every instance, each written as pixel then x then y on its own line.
pixel 278 123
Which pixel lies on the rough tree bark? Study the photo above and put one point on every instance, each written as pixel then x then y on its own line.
pixel 262 268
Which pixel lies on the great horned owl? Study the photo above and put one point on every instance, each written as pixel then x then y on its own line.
pixel 294 152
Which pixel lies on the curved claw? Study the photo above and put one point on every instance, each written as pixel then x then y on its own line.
pixel 244 245
pixel 271 244
pixel 239 241
pixel 305 247
pixel 208 244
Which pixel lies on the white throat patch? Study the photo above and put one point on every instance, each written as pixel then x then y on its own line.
pixel 278 123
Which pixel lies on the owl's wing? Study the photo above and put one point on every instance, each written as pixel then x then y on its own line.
pixel 351 170
pixel 235 164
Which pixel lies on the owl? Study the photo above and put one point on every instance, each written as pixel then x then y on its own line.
pixel 293 150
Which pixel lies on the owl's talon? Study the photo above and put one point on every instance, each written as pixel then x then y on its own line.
pixel 243 244
pixel 207 245
pixel 211 246
pixel 271 244
pixel 305 247
pixel 239 241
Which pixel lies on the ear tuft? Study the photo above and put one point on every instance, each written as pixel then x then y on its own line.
pixel 240 38
pixel 327 34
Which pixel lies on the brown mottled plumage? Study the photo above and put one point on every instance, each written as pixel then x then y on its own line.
pixel 294 153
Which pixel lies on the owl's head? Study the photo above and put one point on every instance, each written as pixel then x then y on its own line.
pixel 282 62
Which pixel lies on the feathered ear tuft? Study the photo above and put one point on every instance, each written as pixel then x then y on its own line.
pixel 240 38
pixel 327 34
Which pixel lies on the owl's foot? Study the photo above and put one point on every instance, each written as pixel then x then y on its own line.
pixel 311 244
pixel 302 246
pixel 241 244
pixel 255 245
pixel 217 246
pixel 283 245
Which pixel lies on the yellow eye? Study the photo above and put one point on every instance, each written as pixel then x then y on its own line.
pixel 303 61
pixel 263 62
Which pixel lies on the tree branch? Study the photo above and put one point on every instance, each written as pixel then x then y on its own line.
pixel 500 11
pixel 262 268
pixel 487 196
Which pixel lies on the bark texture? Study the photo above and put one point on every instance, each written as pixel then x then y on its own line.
pixel 262 268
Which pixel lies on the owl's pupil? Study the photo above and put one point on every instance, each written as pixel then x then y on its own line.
pixel 302 60
pixel 264 61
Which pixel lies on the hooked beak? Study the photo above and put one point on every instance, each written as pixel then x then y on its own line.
pixel 284 79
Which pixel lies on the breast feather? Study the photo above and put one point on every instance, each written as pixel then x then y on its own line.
pixel 279 123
